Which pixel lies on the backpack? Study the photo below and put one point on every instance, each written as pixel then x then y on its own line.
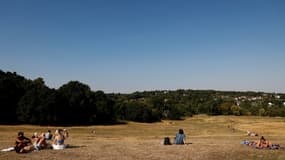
pixel 166 141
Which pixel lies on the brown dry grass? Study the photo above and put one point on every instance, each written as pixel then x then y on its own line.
pixel 212 137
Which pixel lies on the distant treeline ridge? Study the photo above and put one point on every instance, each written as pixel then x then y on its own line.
pixel 25 101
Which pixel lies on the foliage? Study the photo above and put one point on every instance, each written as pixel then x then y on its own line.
pixel 74 103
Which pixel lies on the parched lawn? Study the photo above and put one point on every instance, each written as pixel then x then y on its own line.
pixel 210 137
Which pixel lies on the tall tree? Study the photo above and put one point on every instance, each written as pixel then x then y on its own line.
pixel 74 97
pixel 12 88
pixel 37 105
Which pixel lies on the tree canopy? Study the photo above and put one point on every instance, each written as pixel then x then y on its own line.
pixel 25 101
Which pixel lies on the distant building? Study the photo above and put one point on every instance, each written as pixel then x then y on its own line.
pixel 277 96
pixel 238 103
pixel 270 104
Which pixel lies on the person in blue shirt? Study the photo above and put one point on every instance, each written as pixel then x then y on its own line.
pixel 180 137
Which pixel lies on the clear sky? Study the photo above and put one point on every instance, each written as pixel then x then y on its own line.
pixel 136 45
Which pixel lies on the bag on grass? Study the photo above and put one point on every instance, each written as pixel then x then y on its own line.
pixel 166 141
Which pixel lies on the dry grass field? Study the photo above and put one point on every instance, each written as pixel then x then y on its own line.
pixel 209 137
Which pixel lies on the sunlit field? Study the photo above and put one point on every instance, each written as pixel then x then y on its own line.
pixel 208 137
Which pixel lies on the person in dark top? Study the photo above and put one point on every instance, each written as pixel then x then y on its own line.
pixel 23 144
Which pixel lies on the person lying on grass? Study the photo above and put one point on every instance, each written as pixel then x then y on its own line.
pixel 263 143
pixel 251 133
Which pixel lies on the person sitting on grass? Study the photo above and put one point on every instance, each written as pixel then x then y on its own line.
pixel 180 137
pixel 59 138
pixel 48 135
pixel 65 133
pixel 35 136
pixel 23 144
pixel 263 143
pixel 40 143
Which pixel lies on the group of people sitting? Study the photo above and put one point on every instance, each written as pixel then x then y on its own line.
pixel 180 138
pixel 24 144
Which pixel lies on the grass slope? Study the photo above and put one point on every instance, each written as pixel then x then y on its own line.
pixel 212 137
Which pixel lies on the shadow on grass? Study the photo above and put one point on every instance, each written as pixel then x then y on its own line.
pixel 72 146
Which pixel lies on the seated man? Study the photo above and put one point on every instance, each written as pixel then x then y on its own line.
pixel 23 144
pixel 263 143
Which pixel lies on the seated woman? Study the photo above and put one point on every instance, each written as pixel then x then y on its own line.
pixel 180 137
pixel 40 143
pixel 23 144
pixel 35 136
pixel 263 143
pixel 58 142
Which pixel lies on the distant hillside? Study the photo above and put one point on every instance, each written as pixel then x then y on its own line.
pixel 30 101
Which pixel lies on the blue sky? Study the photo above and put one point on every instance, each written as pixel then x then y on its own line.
pixel 136 45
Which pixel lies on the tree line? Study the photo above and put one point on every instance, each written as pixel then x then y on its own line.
pixel 25 101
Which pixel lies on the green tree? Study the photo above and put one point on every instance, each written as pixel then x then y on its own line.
pixel 74 97
pixel 176 112
pixel 225 108
pixel 261 112
pixel 12 88
pixel 102 108
pixel 36 105
pixel 236 110
pixel 140 112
